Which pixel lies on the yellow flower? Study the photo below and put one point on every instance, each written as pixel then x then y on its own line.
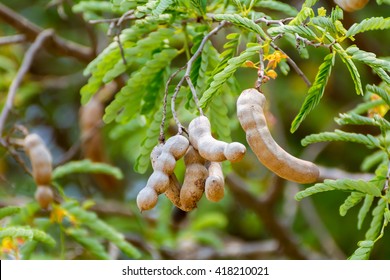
pixel 380 110
pixel 272 74
pixel 274 59
pixel 58 214
pixel 8 245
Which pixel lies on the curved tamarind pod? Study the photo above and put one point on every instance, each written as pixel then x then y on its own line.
pixel 173 190
pixel 209 148
pixel 251 116
pixel 44 195
pixel 163 166
pixel 40 157
pixel 351 5
pixel 194 179
pixel 214 187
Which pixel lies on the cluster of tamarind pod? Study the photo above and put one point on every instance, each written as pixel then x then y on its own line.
pixel 203 156
pixel 41 164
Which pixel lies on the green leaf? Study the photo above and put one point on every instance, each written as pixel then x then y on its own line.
pixel 278 6
pixel 364 107
pixel 316 91
pixel 86 166
pixel 154 90
pixel 128 101
pixel 162 6
pixel 356 119
pixel 368 58
pixel 221 78
pixel 372 160
pixel 151 139
pixel 338 135
pixel 303 14
pixel 368 200
pixel 353 199
pixel 241 22
pixel 364 250
pixel 9 211
pixel 367 24
pixel 28 233
pixel 90 220
pixel 230 50
pixel 351 68
pixel 301 30
pixel 96 80
pixel 219 118
pixel 377 220
pixel 140 50
pixel 200 6
pixel 342 185
pixel 91 244
pixel 382 92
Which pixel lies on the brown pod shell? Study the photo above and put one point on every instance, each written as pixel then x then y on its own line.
pixel 194 180
pixel 40 158
pixel 147 199
pixel 215 183
pixel 209 148
pixel 351 5
pixel 163 159
pixel 250 113
pixel 44 196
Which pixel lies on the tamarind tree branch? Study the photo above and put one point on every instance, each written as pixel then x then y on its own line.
pixel 186 77
pixel 26 64
pixel 267 216
pixel 293 65
pixel 14 39
pixel 56 44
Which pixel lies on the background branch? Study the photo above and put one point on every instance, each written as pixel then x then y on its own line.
pixel 26 64
pixel 281 233
pixel 56 44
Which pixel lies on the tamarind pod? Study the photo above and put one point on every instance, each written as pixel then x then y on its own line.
pixel 173 190
pixel 351 5
pixel 147 199
pixel 194 179
pixel 209 148
pixel 44 196
pixel 40 158
pixel 251 116
pixel 214 187
pixel 163 161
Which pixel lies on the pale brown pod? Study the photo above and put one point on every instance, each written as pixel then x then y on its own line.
pixel 40 158
pixel 209 148
pixel 173 190
pixel 351 5
pixel 194 179
pixel 163 162
pixel 215 182
pixel 44 196
pixel 250 113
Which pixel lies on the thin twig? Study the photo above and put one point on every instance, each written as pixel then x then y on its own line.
pixel 56 44
pixel 293 65
pixel 14 39
pixel 272 21
pixel 187 77
pixel 161 138
pixel 114 20
pixel 260 72
pixel 306 41
pixel 27 61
